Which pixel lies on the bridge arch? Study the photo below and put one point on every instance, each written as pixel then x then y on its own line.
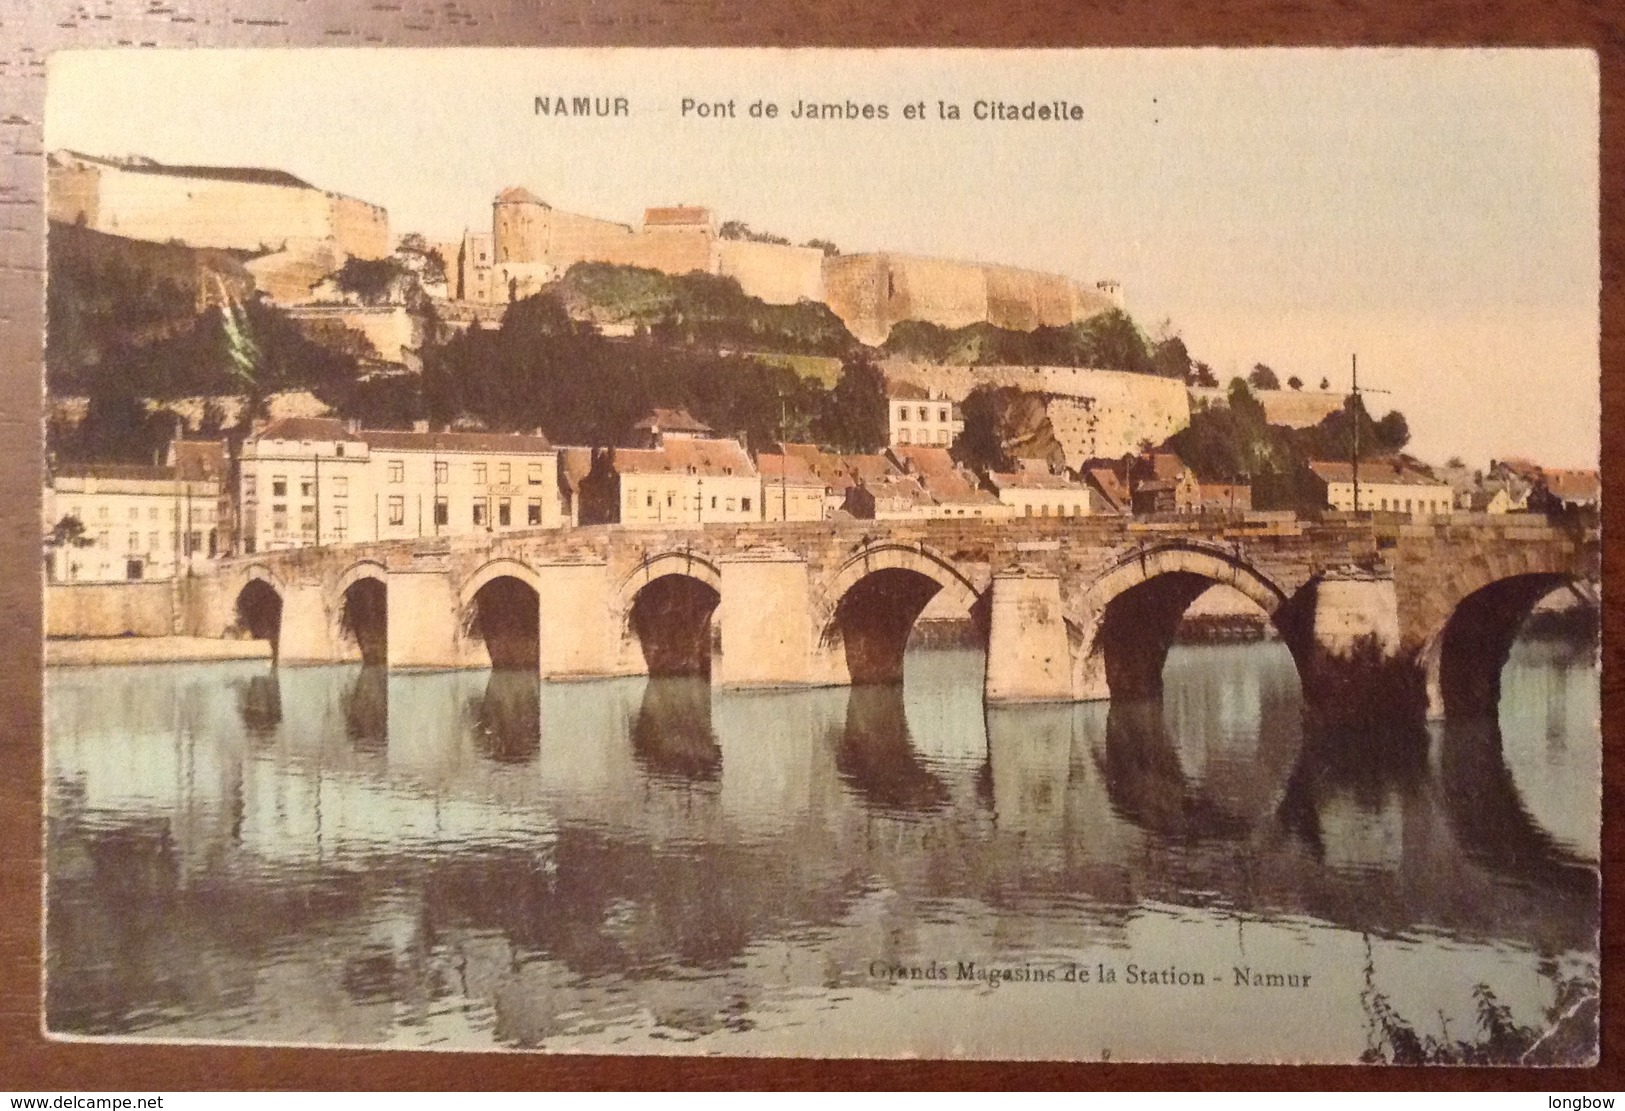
pixel 360 598
pixel 258 605
pixel 1464 657
pixel 666 604
pixel 1130 614
pixel 500 605
pixel 872 600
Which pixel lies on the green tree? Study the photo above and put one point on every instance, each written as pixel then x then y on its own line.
pixel 981 445
pixel 1171 359
pixel 854 416
pixel 1263 378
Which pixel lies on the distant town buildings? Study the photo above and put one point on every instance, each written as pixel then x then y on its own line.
pixel 108 522
pixel 1387 485
pixel 314 480
pixel 917 415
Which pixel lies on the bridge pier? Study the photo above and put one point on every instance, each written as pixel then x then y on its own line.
pixel 769 638
pixel 1029 658
pixel 579 638
pixel 1358 672
pixel 424 623
pixel 309 632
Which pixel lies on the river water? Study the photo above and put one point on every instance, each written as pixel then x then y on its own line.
pixel 477 860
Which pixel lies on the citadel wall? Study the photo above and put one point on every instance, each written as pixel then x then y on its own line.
pixel 871 293
pixel 777 274
pixel 1290 408
pixel 203 211
pixel 1094 413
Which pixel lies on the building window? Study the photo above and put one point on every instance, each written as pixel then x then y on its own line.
pixel 533 474
pixel 307 519
pixel 440 472
pixel 668 499
pixel 942 415
pixel 479 474
pixel 479 511
pixel 338 450
pixel 504 473
pixel 397 470
pixel 744 504
pixel 533 511
pixel 152 514
pixel 341 487
pixel 248 486
pixel 713 501
pixel 649 500
pixel 279 486
pixel 135 514
pixel 504 513
pixel 279 521
pixel 942 436
pixel 902 412
pixel 442 511
pixel 397 509
pixel 152 541
pixel 924 415
pixel 730 505
pixel 902 436
pixel 341 522
pixel 103 513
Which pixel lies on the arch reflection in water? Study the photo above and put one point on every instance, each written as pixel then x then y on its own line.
pixel 366 710
pixel 259 703
pixel 507 718
pixel 875 755
pixel 672 733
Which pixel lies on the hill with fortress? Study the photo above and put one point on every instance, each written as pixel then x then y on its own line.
pixel 291 238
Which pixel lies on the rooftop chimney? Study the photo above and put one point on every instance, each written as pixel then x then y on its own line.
pixel 420 426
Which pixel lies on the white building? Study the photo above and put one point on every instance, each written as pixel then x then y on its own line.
pixel 1386 486
pixel 920 416
pixel 305 481
pixel 684 482
pixel 1041 494
pixel 135 522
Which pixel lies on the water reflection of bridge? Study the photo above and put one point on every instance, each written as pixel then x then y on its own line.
pixel 783 802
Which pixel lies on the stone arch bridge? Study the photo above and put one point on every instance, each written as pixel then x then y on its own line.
pixel 1381 620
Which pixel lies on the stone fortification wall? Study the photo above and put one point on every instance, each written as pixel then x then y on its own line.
pixel 359 228
pixel 528 231
pixel 777 274
pixel 1094 413
pixel 390 329
pixel 870 293
pixel 1291 408
pixel 212 212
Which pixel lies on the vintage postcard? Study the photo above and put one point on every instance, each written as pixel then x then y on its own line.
pixel 1087 555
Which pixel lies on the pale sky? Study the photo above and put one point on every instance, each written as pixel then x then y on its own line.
pixel 1434 211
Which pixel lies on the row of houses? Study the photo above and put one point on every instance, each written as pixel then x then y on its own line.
pixel 301 482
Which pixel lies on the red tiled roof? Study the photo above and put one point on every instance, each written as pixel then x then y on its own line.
pixel 709 458
pixel 495 443
pixel 516 194
pixel 1032 480
pixel 672 420
pixel 199 459
pixel 676 215
pixel 305 428
pixel 791 470
pixel 1575 486
pixel 1388 472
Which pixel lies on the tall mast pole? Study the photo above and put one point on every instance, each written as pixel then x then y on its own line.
pixel 1354 368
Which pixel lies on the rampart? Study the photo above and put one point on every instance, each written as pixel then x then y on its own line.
pixel 210 207
pixel 1291 408
pixel 1094 413
pixel 872 292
